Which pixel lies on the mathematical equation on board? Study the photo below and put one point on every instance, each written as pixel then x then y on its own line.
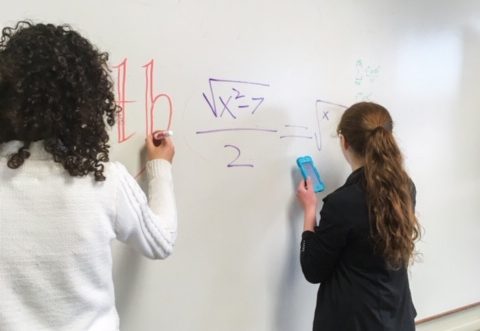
pixel 233 99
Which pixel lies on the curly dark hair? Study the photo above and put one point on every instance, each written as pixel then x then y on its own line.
pixel 55 86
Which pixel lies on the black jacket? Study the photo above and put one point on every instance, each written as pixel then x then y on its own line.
pixel 358 291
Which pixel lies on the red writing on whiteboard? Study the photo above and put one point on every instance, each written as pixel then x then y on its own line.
pixel 151 100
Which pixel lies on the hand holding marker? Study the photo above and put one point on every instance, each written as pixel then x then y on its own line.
pixel 159 135
pixel 160 146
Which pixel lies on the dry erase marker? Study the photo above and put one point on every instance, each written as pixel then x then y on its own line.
pixel 162 134
pixel 159 135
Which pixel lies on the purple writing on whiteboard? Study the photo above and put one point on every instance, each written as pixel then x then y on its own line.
pixel 296 134
pixel 231 99
pixel 328 114
pixel 234 97
pixel 239 153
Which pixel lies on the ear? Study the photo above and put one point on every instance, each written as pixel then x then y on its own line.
pixel 343 141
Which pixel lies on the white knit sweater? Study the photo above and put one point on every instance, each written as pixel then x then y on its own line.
pixel 55 234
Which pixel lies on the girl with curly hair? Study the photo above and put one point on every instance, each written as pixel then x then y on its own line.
pixel 61 201
pixel 366 237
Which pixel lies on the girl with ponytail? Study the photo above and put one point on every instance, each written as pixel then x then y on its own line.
pixel 365 241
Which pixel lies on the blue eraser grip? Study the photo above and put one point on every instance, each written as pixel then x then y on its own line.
pixel 308 169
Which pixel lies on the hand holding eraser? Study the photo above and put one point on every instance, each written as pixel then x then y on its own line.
pixel 308 170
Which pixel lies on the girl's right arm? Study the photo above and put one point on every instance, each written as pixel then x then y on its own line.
pixel 321 249
pixel 149 225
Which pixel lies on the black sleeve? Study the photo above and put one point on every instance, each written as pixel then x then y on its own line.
pixel 320 250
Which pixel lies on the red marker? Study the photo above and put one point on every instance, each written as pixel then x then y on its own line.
pixel 159 135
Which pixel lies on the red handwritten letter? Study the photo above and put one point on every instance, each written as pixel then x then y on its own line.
pixel 122 102
pixel 150 100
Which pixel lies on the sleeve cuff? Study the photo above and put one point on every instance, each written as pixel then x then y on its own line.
pixel 159 168
pixel 308 234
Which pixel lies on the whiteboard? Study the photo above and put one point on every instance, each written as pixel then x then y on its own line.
pixel 253 85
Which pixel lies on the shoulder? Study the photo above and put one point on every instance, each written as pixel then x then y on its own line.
pixel 348 203
pixel 113 169
pixel 116 172
pixel 346 196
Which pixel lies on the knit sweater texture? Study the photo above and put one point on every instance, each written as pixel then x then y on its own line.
pixel 55 236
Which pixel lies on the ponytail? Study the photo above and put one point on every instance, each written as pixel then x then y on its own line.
pixel 394 225
pixel 367 127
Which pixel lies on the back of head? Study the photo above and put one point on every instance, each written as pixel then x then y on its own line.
pixel 55 86
pixel 367 128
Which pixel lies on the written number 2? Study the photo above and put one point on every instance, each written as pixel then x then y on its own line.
pixel 232 163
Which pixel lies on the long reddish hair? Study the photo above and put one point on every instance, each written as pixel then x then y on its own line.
pixel 367 128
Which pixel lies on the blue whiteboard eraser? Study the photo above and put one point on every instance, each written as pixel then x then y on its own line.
pixel 308 169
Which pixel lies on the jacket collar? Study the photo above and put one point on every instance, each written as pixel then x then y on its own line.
pixel 356 177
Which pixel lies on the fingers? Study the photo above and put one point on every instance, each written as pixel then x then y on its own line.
pixel 167 142
pixel 305 185
pixel 157 139
pixel 149 142
pixel 309 184
pixel 306 195
pixel 301 189
pixel 159 147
